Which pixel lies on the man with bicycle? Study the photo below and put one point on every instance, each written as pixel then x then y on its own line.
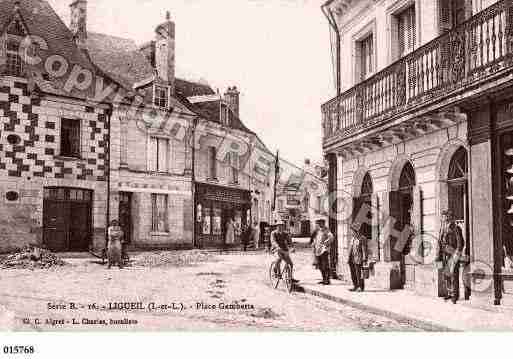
pixel 280 242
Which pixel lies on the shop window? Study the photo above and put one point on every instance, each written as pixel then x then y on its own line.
pixel 406 31
pixel 206 221
pixel 161 97
pixel 212 163
pixel 70 138
pixel 216 225
pixel 159 213
pixel 158 155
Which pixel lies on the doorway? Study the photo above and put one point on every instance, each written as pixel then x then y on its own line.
pixel 401 206
pixel 457 181
pixel 125 215
pixel 67 224
pixel 365 198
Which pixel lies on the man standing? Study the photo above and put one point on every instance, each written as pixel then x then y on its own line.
pixel 280 241
pixel 322 246
pixel 451 246
pixel 357 259
pixel 256 234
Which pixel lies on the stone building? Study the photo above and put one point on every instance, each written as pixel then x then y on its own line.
pixel 421 123
pixel 53 138
pixel 100 129
pixel 300 198
pixel 227 159
pixel 150 181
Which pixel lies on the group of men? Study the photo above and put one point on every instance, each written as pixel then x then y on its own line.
pixel 451 247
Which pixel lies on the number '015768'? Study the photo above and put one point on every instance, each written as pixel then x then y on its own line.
pixel 18 349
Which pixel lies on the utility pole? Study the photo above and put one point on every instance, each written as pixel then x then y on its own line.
pixel 276 176
pixel 195 121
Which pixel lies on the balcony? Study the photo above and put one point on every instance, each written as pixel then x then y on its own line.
pixel 450 68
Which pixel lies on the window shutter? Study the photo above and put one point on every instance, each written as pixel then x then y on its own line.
pixel 75 138
pixel 416 219
pixel 162 151
pixel 412 28
pixel 401 34
pixel 152 154
pixel 212 162
pixel 394 199
pixel 444 15
pixel 3 51
pixel 373 246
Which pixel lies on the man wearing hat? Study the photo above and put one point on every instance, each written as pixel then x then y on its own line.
pixel 451 249
pixel 281 241
pixel 322 240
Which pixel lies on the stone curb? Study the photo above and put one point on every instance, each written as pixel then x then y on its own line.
pixel 415 322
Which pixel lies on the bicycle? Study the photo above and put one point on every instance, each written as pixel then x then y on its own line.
pixel 285 275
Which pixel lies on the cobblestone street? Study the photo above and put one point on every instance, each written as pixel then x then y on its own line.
pixel 194 288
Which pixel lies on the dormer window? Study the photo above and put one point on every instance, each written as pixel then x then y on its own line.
pixel 14 65
pixel 161 97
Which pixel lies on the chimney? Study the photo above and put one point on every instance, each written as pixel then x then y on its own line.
pixel 165 51
pixel 78 24
pixel 231 96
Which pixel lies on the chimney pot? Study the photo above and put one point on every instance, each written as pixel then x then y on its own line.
pixel 165 51
pixel 78 25
pixel 231 96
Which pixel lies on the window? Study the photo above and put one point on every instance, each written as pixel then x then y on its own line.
pixel 280 204
pixel 70 138
pixel 14 63
pixel 157 156
pixel 319 204
pixel 454 12
pixel 161 96
pixel 406 30
pixel 234 167
pixel 159 213
pixel 366 47
pixel 212 162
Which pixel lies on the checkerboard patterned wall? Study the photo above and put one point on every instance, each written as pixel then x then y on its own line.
pixel 37 122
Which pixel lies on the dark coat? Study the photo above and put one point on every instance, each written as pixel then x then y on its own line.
pixel 358 251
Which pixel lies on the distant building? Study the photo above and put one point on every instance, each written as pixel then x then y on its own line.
pixel 301 198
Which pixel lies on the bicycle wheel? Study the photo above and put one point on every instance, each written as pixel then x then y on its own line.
pixel 287 278
pixel 275 280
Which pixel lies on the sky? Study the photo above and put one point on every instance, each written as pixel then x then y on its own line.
pixel 277 53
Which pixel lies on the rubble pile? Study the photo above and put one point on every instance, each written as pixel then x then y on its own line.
pixel 31 258
pixel 172 259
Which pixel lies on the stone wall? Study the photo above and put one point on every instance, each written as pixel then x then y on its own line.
pixel 429 156
pixel 35 162
pixel 130 173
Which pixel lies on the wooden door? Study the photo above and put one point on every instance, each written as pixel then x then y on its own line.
pixel 407 264
pixel 55 225
pixel 125 215
pixel 79 225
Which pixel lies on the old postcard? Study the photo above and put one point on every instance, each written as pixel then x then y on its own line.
pixel 255 165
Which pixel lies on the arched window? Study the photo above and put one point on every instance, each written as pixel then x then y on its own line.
pixel 367 187
pixel 407 179
pixel 458 168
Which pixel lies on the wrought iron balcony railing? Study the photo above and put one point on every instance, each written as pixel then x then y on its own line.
pixel 469 54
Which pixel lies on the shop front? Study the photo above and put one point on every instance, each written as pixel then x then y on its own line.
pixel 216 207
